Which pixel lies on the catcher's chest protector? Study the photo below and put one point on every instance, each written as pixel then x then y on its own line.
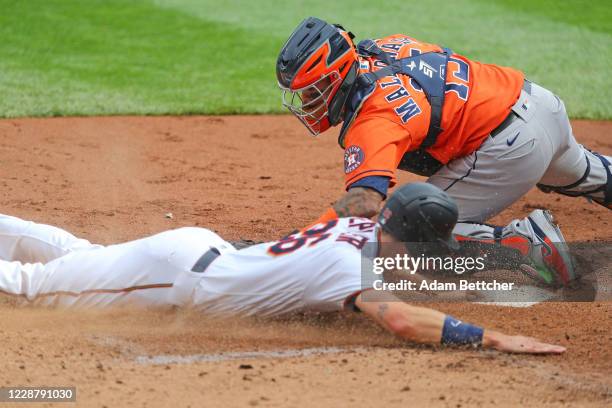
pixel 428 70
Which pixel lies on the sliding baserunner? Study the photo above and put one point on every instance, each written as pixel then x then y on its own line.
pixel 318 269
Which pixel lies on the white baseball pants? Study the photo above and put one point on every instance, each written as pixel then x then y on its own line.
pixel 49 266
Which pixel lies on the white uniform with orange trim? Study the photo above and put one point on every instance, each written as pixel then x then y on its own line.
pixel 317 269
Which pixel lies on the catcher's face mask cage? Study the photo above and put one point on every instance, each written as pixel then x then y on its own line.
pixel 312 69
pixel 311 104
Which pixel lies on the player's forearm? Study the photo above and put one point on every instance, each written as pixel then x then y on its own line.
pixel 417 324
pixel 431 326
pixel 423 325
pixel 359 202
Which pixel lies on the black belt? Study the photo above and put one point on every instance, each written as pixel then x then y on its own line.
pixel 512 116
pixel 205 260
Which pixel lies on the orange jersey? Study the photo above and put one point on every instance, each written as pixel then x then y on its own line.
pixel 394 118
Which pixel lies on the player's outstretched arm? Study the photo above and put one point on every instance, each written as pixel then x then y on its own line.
pixel 424 325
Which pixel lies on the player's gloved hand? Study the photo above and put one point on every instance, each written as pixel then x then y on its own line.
pixel 519 344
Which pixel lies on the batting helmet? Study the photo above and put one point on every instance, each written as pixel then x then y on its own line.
pixel 316 69
pixel 420 212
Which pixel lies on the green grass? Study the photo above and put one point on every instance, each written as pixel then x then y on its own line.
pixel 590 15
pixel 68 57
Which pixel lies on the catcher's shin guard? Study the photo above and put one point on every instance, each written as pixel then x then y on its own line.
pixel 534 244
pixel 595 184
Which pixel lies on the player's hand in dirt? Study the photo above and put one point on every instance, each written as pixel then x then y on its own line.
pixel 519 344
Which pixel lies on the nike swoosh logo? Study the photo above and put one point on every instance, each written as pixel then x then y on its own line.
pixel 546 249
pixel 511 141
pixel 456 324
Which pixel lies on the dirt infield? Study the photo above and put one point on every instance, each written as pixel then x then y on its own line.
pixel 115 179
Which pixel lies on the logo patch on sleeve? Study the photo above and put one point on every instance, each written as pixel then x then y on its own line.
pixel 385 215
pixel 353 157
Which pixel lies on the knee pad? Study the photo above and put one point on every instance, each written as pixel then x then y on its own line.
pixel 601 195
pixel 607 188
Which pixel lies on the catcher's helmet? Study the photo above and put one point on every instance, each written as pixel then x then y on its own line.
pixel 420 212
pixel 316 69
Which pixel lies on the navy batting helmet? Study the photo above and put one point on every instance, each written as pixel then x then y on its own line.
pixel 420 212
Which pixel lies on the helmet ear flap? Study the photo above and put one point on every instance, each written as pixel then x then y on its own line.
pixel 337 103
pixel 439 218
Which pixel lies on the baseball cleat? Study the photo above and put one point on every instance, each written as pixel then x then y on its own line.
pixel 551 261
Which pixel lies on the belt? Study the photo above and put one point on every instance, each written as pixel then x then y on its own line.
pixel 512 116
pixel 205 260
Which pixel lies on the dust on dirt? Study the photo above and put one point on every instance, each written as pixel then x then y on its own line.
pixel 114 179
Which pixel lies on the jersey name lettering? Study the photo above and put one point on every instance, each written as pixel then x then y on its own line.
pixel 320 232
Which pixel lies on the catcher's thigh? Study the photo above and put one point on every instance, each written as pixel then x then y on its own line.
pixel 507 166
pixel 574 170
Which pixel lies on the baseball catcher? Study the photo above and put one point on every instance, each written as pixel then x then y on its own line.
pixel 316 269
pixel 483 133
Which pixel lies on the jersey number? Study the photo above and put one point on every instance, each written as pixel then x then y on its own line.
pixel 318 233
pixel 312 236
pixel 460 71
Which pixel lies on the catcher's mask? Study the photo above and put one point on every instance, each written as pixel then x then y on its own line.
pixel 421 213
pixel 316 70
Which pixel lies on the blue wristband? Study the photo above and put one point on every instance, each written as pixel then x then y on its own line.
pixel 458 333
